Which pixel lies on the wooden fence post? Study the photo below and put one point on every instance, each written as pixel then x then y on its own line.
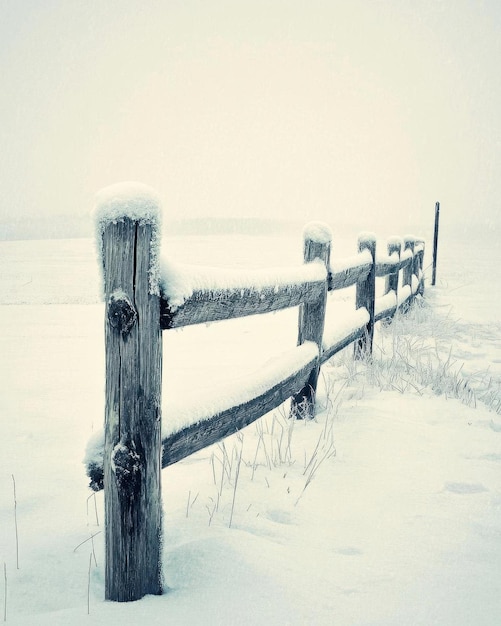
pixel 366 296
pixel 420 265
pixel 132 451
pixel 408 270
pixel 317 246
pixel 435 243
pixel 394 245
pixel 391 284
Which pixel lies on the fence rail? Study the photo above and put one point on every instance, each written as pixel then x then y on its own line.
pixel 144 297
pixel 222 304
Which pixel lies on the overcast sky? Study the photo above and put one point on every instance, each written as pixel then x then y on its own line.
pixel 359 110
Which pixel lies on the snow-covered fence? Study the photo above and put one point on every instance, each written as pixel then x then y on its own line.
pixel 145 295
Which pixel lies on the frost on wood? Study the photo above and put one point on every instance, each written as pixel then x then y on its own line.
pixel 179 281
pixel 138 203
pixel 317 232
pixel 347 271
pixel 346 264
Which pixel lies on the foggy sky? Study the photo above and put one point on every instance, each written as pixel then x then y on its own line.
pixel 365 111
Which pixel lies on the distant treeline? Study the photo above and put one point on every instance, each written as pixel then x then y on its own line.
pixel 64 227
pixel 55 227
pixel 229 226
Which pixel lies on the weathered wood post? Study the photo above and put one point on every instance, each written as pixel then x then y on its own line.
pixel 435 244
pixel 391 283
pixel 317 247
pixel 408 271
pixel 414 246
pixel 128 216
pixel 394 247
pixel 366 296
pixel 420 265
pixel 409 268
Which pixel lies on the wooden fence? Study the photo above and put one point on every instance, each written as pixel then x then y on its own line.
pixel 140 304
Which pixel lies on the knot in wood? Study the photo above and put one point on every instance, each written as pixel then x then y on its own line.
pixel 121 312
pixel 126 465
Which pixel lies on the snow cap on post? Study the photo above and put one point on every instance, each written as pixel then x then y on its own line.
pixel 136 202
pixel 368 237
pixel 395 242
pixel 319 232
pixel 409 237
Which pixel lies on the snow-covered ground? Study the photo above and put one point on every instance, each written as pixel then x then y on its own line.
pixel 386 510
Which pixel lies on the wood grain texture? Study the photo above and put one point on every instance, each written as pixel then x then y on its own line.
pixel 311 324
pixel 394 247
pixel 387 267
pixel 350 276
pixel 406 259
pixel 407 271
pixel 365 297
pixel 209 306
pixel 420 253
pixel 216 427
pixel 132 415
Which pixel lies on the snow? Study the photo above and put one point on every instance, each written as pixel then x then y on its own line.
pixel 404 293
pixel 399 524
pixel 341 321
pixel 395 241
pixel 179 281
pixel 205 402
pixel 344 264
pixel 415 283
pixel 94 451
pixel 318 232
pixel 406 254
pixel 367 236
pixel 384 303
pixel 136 202
pixel 386 259
pixel 132 200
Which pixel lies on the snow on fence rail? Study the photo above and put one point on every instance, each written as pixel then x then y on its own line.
pixel 145 295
